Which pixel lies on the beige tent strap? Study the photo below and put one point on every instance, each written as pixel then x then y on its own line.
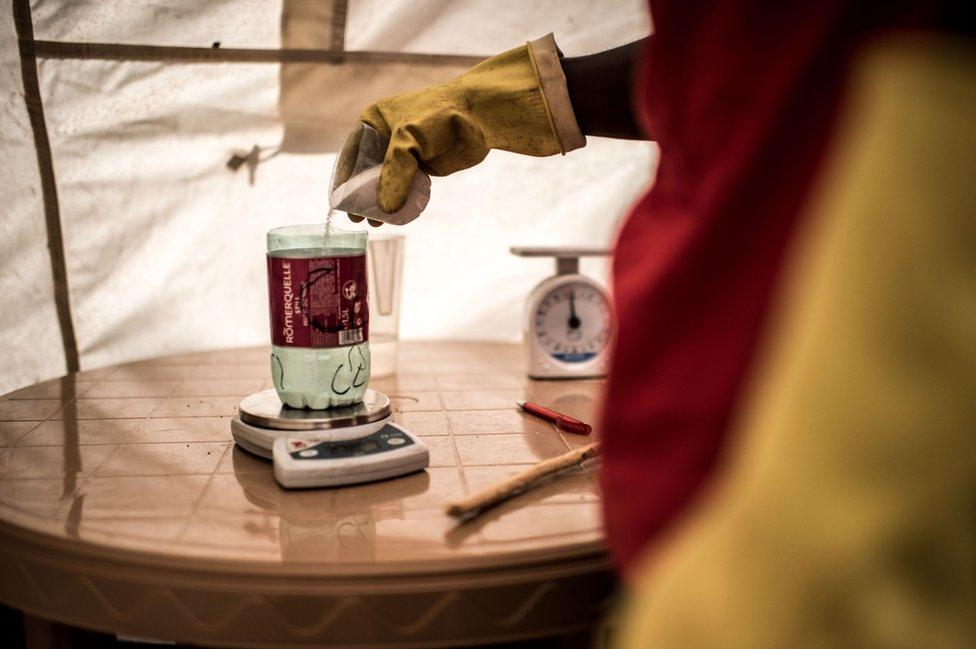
pixel 49 188
pixel 337 39
pixel 133 52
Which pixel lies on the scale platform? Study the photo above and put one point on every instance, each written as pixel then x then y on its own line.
pixel 327 448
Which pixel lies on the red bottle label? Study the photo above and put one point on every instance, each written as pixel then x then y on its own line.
pixel 318 301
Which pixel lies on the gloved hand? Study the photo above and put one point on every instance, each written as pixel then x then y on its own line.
pixel 516 101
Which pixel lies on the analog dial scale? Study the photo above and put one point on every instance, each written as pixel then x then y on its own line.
pixel 568 321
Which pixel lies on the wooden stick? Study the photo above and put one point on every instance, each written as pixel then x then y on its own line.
pixel 494 494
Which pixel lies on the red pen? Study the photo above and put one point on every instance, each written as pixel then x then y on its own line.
pixel 562 422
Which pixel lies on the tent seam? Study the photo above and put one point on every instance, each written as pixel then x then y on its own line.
pixel 45 49
pixel 49 190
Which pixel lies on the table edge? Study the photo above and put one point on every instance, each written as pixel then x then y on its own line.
pixel 38 546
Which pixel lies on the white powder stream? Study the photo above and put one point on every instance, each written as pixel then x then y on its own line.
pixel 328 225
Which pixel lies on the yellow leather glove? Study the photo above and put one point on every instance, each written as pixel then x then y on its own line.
pixel 516 101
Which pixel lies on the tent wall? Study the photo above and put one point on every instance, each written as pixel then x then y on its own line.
pixel 164 245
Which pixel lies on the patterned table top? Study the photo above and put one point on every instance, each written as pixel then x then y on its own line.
pixel 138 459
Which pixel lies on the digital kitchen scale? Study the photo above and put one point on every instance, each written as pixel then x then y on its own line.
pixel 327 448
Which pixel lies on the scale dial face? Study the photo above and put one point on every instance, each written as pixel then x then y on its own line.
pixel 573 322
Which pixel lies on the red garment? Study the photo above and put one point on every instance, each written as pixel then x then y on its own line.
pixel 741 97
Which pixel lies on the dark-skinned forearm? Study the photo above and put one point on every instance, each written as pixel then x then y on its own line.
pixel 601 91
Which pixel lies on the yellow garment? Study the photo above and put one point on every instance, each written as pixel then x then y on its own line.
pixel 501 103
pixel 846 517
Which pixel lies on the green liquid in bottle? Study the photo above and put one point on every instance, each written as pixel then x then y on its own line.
pixel 318 377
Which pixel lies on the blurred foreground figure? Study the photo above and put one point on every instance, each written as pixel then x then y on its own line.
pixel 791 456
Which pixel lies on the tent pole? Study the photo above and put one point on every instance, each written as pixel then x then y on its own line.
pixel 49 189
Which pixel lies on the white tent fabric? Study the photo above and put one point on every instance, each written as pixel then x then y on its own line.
pixel 164 246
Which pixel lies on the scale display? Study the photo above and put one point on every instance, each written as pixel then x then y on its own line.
pixel 302 461
pixel 573 323
pixel 386 439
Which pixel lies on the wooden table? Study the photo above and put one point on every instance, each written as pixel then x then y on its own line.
pixel 125 508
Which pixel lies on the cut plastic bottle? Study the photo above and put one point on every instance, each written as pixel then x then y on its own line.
pixel 356 178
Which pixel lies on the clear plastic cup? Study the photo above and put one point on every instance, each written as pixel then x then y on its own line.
pixel 385 280
pixel 317 289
